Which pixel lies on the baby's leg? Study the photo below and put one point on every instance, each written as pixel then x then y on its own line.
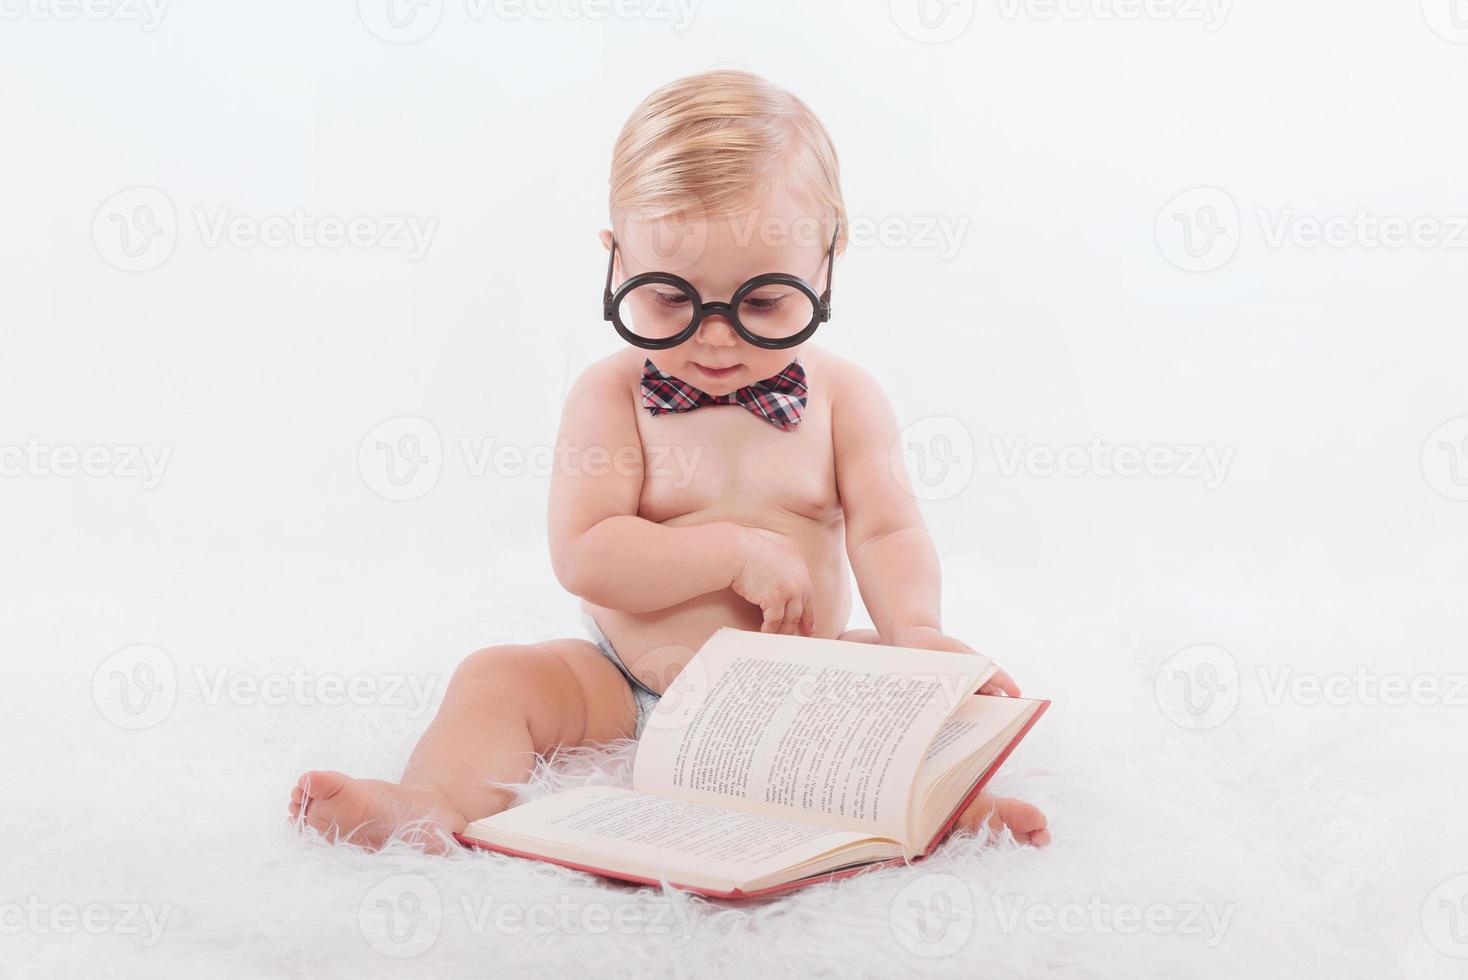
pixel 504 706
pixel 989 812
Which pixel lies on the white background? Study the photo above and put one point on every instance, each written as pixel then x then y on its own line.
pixel 1057 143
pixel 1053 143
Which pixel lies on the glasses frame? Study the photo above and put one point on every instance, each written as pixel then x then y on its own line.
pixel 820 304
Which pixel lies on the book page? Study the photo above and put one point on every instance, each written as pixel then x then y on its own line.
pixel 978 721
pixel 818 730
pixel 618 829
pixel 965 746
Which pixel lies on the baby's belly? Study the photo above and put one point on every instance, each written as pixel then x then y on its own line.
pixel 655 646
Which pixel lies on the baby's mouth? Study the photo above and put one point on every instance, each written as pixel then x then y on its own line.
pixel 717 372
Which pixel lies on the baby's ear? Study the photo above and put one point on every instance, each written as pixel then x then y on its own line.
pixel 606 238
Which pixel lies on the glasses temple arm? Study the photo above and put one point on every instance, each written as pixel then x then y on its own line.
pixel 606 296
pixel 831 265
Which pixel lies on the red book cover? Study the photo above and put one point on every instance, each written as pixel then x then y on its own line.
pixel 943 831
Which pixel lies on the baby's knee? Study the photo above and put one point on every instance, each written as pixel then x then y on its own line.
pixel 507 670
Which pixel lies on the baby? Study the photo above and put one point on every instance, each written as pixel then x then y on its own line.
pixel 717 471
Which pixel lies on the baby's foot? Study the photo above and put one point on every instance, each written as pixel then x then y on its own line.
pixel 370 812
pixel 998 813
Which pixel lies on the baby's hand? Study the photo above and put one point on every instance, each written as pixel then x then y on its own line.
pixel 927 638
pixel 774 577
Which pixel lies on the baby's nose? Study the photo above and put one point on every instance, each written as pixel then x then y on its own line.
pixel 715 330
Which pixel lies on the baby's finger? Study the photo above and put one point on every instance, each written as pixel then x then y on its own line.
pixel 1001 684
pixel 808 616
pixel 774 617
pixel 796 613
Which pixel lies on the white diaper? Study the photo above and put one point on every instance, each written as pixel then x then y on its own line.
pixel 646 697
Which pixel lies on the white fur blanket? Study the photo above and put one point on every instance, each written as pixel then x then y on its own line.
pixel 1290 839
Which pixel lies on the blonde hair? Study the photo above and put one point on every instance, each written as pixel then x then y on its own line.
pixel 721 141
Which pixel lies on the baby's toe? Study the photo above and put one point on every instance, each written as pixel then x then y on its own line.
pixel 1025 821
pixel 321 784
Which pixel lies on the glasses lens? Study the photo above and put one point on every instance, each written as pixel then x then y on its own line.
pixel 776 311
pixel 656 311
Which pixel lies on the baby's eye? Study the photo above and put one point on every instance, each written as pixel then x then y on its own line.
pixel 764 304
pixel 675 298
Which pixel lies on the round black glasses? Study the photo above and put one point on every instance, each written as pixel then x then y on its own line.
pixel 658 310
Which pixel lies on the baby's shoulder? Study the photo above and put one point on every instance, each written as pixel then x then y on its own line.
pixel 610 379
pixel 843 379
pixel 601 401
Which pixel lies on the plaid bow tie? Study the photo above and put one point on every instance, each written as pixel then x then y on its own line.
pixel 779 400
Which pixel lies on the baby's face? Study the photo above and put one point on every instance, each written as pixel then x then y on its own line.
pixel 717 255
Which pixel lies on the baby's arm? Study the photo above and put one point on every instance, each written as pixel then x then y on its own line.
pixel 891 553
pixel 600 550
pixel 887 542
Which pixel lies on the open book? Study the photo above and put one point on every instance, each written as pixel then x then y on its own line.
pixel 774 761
